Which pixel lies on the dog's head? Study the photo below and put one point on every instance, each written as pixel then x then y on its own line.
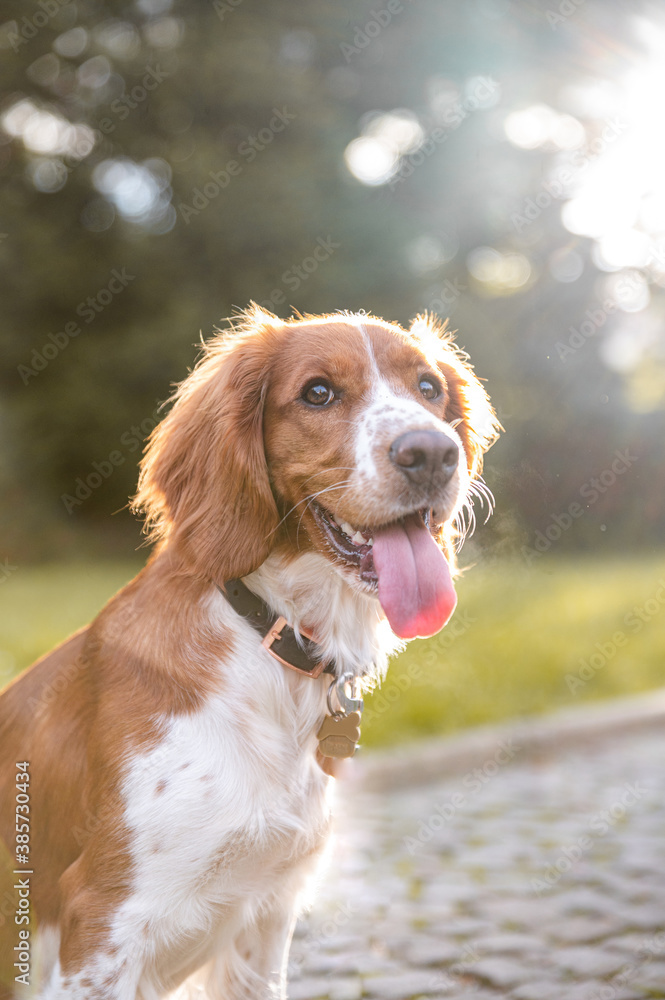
pixel 341 434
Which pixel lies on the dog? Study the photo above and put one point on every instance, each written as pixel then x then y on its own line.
pixel 304 493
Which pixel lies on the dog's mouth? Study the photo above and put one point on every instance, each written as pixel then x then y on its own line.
pixel 352 546
pixel 400 561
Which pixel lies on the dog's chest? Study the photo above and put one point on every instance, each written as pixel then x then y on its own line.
pixel 229 797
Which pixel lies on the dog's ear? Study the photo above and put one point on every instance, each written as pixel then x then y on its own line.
pixel 204 485
pixel 469 407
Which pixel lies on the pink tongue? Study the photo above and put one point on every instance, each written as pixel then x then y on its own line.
pixel 415 587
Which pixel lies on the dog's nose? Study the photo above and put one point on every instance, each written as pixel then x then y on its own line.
pixel 425 456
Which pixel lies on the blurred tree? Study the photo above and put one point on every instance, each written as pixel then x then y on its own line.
pixel 166 161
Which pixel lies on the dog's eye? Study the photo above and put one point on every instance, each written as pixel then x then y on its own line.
pixel 429 387
pixel 318 394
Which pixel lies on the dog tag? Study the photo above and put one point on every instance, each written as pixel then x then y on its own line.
pixel 339 735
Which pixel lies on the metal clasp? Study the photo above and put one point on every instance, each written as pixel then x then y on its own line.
pixel 347 690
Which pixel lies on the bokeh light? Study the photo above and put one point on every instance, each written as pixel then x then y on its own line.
pixel 373 158
pixel 140 192
pixel 498 273
pixel 44 131
pixel 539 125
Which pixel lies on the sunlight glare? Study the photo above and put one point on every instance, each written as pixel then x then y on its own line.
pixel 46 132
pixel 539 125
pixel 374 157
pixel 500 273
pixel 621 184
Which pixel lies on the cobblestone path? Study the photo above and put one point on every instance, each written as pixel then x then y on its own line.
pixel 523 879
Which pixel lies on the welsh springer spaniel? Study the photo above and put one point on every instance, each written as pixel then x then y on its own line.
pixel 178 799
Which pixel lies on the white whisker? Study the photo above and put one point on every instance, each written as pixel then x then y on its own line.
pixel 333 468
pixel 465 523
pixel 311 496
pixel 481 490
pixel 343 484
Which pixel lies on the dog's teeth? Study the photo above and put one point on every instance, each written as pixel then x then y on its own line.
pixel 347 529
pixel 358 539
pixel 371 541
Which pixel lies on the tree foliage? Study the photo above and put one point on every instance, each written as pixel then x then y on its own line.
pixel 167 161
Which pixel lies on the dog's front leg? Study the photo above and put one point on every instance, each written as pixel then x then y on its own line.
pixel 103 976
pixel 95 963
pixel 97 973
pixel 253 967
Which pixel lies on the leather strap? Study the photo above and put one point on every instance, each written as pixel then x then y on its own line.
pixel 278 636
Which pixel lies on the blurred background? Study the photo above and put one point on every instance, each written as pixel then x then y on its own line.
pixel 498 163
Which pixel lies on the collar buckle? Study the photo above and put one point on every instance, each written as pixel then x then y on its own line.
pixel 275 635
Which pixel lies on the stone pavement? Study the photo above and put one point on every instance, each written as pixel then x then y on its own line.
pixel 530 877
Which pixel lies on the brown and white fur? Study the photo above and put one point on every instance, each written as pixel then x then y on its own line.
pixel 178 801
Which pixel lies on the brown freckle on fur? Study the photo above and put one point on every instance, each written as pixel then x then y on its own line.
pixel 207 777
pixel 183 766
pixel 161 785
pixel 109 983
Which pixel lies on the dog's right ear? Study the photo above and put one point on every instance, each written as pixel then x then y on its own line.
pixel 204 485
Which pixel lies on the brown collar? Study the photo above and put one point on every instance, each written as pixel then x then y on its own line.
pixel 278 636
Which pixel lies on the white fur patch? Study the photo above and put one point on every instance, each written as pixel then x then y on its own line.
pixel 226 811
pixel 386 416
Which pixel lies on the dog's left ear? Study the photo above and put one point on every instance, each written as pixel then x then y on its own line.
pixel 469 404
pixel 204 485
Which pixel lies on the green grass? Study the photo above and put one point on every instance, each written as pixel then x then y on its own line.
pixel 515 636
pixel 41 606
pixel 517 633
